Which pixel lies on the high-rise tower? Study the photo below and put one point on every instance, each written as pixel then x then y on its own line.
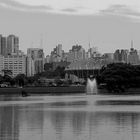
pixel 12 44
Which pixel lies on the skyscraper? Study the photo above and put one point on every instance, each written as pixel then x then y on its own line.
pixel 1 63
pixel 133 57
pixel 117 56
pixel 121 56
pixel 57 54
pixel 3 46
pixel 59 50
pixel 124 56
pixel 37 56
pixel 12 44
pixel 76 53
pixel 0 44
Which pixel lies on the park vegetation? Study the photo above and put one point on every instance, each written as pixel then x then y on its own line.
pixel 116 77
pixel 23 80
pixel 119 76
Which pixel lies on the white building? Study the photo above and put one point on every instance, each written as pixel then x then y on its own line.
pixel 36 58
pixel 77 53
pixel 1 64
pixel 15 63
pixel 59 50
pixel 47 59
pixel 30 67
pixel 139 54
pixel 133 57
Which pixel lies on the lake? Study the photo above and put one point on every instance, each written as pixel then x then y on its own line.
pixel 78 117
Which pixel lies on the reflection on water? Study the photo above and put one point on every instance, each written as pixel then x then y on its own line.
pixel 70 118
pixel 118 102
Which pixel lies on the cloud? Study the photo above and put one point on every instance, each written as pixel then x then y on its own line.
pixel 121 10
pixel 22 7
pixel 128 8
pixel 70 10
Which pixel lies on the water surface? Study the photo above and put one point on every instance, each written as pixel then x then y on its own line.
pixel 78 117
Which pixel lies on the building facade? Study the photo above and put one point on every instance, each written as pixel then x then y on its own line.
pixel 9 45
pixel 133 57
pixel 57 54
pixel 12 44
pixel 121 56
pixel 1 64
pixel 15 63
pixel 3 45
pixel 36 55
pixel 30 67
pixel 77 53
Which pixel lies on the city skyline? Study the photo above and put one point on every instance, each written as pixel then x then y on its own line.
pixel 9 45
pixel 13 59
pixel 110 26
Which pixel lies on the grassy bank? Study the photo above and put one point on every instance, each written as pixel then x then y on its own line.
pixel 44 90
pixel 62 91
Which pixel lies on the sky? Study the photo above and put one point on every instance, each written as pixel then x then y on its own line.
pixel 106 24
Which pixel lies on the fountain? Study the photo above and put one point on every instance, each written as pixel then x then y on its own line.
pixel 91 86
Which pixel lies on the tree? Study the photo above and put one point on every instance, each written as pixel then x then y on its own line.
pixel 31 79
pixel 119 76
pixel 60 71
pixel 1 79
pixel 7 72
pixel 48 66
pixel 21 79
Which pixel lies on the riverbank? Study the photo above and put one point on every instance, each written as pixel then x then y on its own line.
pixel 62 90
pixel 44 90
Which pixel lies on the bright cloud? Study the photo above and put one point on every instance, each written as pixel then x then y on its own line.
pixel 86 7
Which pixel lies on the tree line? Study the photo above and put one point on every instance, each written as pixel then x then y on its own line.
pixel 119 76
pixel 22 79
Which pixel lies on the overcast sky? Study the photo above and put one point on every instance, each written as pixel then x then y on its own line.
pixel 107 24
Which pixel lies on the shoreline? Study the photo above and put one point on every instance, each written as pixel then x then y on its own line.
pixel 71 90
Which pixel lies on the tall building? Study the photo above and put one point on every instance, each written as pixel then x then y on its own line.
pixel 93 52
pixel 35 53
pixel 139 54
pixel 59 50
pixel 15 63
pixel 57 54
pixel 124 56
pixel 39 66
pixel 121 56
pixel 1 64
pixel 0 44
pixel 108 57
pixel 76 53
pixel 47 59
pixel 11 58
pixel 30 68
pixel 3 45
pixel 117 56
pixel 9 45
pixel 133 57
pixel 37 56
pixel 12 44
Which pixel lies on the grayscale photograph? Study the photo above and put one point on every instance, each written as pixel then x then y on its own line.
pixel 69 70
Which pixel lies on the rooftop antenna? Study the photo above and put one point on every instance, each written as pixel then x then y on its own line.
pixel 89 44
pixel 41 41
pixel 132 44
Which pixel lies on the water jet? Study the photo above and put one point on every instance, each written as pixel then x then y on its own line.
pixel 91 87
